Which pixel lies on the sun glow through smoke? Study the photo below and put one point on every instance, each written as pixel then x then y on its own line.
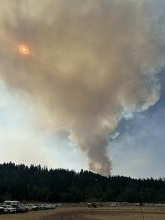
pixel 24 49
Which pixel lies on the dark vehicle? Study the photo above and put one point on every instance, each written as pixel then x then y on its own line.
pixel 1 210
pixel 21 209
pixel 91 205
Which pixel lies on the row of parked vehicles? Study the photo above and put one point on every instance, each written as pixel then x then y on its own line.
pixel 17 207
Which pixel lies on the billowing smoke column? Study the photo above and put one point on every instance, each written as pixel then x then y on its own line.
pixel 90 61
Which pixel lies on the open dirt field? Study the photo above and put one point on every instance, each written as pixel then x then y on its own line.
pixel 91 214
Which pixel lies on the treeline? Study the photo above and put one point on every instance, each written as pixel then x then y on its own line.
pixel 34 183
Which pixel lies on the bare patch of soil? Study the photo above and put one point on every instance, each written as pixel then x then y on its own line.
pixel 91 214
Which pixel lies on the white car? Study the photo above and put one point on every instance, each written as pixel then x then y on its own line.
pixel 9 209
pixel 12 203
pixel 29 207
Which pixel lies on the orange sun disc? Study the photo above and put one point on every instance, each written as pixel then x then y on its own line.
pixel 23 49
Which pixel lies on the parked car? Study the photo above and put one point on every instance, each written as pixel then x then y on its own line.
pixel 34 207
pixel 12 203
pixel 91 205
pixel 1 210
pixel 29 207
pixel 16 205
pixel 21 209
pixel 9 209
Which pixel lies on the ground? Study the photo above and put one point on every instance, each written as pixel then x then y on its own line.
pixel 125 213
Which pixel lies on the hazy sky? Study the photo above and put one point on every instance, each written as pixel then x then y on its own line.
pixel 89 93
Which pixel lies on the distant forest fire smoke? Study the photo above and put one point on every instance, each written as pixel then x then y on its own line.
pixel 91 61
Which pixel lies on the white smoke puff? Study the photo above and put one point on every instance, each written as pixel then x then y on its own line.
pixel 90 61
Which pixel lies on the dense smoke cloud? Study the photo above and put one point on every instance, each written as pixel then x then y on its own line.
pixel 90 62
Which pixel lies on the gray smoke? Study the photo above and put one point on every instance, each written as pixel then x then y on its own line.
pixel 91 61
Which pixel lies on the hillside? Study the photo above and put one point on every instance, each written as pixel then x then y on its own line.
pixel 35 183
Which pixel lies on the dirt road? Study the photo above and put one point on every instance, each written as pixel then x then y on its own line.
pixel 110 214
pixel 91 214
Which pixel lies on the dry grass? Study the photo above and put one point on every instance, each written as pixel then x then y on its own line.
pixel 91 214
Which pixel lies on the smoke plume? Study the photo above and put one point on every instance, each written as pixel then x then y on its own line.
pixel 90 62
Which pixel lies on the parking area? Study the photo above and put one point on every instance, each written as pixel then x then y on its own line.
pixel 12 207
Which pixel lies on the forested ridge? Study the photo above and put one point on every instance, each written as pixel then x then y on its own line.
pixel 35 183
